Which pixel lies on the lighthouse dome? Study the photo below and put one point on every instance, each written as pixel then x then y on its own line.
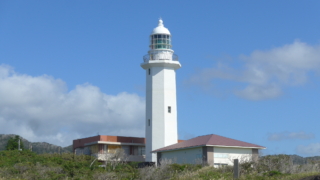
pixel 160 29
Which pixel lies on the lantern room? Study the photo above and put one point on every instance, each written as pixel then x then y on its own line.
pixel 160 41
pixel 160 37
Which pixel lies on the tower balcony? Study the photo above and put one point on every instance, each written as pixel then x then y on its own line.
pixel 148 57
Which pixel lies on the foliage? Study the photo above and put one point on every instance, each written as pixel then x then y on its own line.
pixel 38 147
pixel 13 143
pixel 272 173
pixel 184 167
pixel 25 164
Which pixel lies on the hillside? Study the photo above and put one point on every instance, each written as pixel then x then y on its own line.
pixel 303 160
pixel 37 147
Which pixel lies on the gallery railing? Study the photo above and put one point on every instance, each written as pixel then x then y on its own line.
pixel 147 57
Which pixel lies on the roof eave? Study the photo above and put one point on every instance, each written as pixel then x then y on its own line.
pixel 244 147
pixel 113 143
pixel 209 146
pixel 177 148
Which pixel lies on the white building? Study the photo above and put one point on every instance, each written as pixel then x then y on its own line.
pixel 104 147
pixel 160 65
pixel 209 149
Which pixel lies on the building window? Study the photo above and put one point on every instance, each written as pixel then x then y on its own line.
pixel 149 122
pixel 169 109
pixel 113 148
pixel 138 150
pixel 149 71
pixel 221 155
pixel 141 150
pixel 94 149
pixel 220 164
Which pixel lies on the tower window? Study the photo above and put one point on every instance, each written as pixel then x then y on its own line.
pixel 149 71
pixel 148 122
pixel 169 109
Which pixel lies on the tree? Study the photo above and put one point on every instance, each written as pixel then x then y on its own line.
pixel 13 143
pixel 115 158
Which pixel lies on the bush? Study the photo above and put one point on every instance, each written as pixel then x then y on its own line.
pixel 13 143
pixel 16 164
pixel 272 173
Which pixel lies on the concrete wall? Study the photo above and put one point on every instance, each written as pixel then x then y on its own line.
pixel 105 151
pixel 136 158
pixel 209 155
pixel 79 143
pixel 122 139
pixel 255 154
pixel 186 156
pixel 162 129
pixel 225 155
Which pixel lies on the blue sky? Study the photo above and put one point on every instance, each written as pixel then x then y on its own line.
pixel 250 69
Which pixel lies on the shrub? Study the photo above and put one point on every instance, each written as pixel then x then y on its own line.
pixel 272 173
pixel 16 164
pixel 13 143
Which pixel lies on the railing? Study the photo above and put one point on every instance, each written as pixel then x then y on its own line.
pixel 147 58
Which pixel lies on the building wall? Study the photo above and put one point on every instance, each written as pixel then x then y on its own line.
pixel 225 155
pixel 122 139
pixel 132 150
pixel 160 94
pixel 186 156
pixel 80 143
pixel 105 151
pixel 209 155
pixel 255 154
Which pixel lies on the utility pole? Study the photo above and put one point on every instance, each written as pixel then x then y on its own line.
pixel 19 145
pixel 236 169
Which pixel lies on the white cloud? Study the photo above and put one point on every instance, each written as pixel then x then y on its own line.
pixel 41 109
pixel 309 150
pixel 263 74
pixel 290 135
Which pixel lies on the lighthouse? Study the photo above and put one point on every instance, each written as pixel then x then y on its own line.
pixel 160 65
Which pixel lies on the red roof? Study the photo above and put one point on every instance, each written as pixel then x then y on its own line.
pixel 209 140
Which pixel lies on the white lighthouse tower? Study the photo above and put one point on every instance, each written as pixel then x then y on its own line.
pixel 161 102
